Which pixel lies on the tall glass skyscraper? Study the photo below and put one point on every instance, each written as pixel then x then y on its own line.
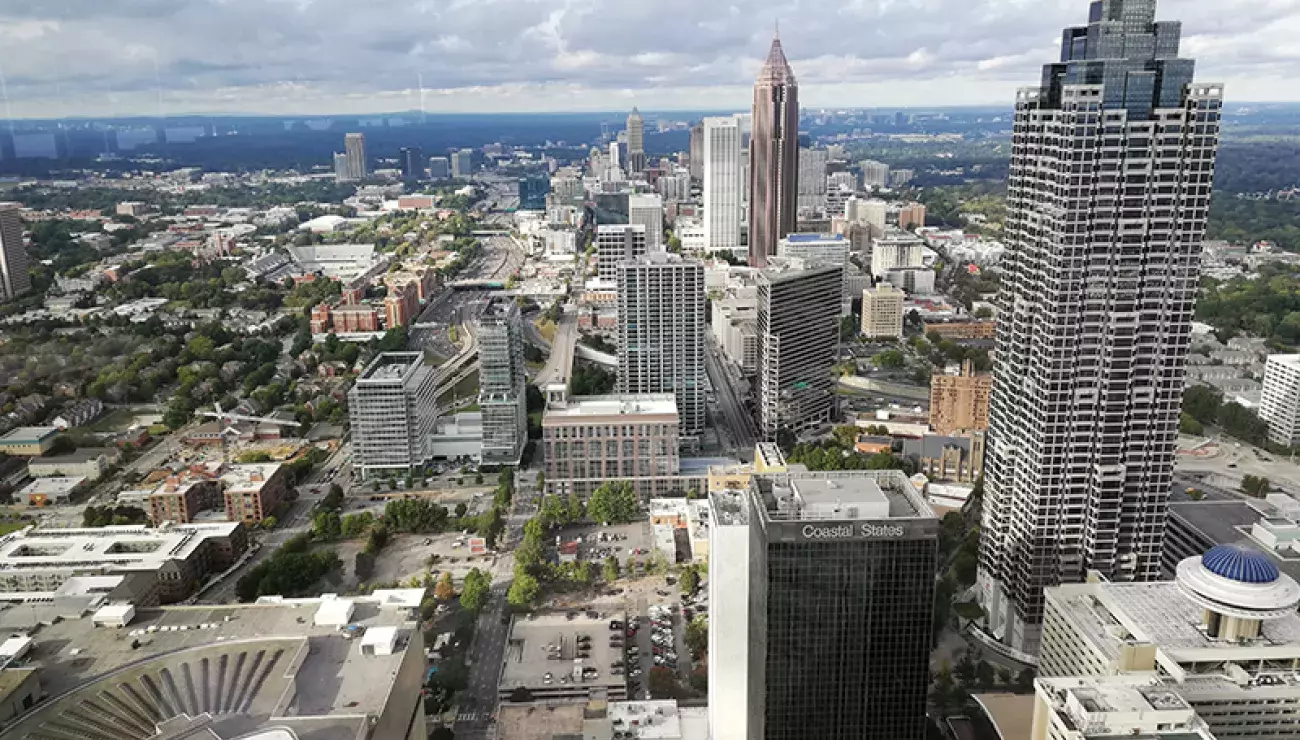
pixel 822 594
pixel 1109 189
pixel 773 157
pixel 635 143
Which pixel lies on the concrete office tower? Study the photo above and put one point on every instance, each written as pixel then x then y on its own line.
pixel 615 158
pixel 341 167
pixel 1280 406
pixel 812 180
pixel 439 168
pixel 697 152
pixel 867 212
pixel 616 243
pixel 723 184
pixel 462 163
pixel 821 250
pixel 635 143
pixel 874 174
pixel 1223 636
pixel 821 594
pixel 411 158
pixel 1107 196
pixel 648 210
pixel 393 410
pixel 798 335
pixel 354 145
pixel 502 396
pixel 773 157
pixel 14 280
pixel 882 312
pixel 896 249
pixel 661 334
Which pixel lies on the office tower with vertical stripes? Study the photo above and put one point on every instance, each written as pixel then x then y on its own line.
pixel 14 280
pixel 773 157
pixel 1111 167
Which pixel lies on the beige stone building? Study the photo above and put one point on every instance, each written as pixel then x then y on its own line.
pixel 882 312
pixel 960 403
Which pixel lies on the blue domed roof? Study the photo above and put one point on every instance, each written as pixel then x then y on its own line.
pixel 1240 563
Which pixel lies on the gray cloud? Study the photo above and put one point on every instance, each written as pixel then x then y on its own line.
pixel 95 57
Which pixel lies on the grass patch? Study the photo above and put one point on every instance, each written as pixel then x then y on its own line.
pixel 117 420
pixel 11 525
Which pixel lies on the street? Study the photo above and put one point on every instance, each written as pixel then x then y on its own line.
pixel 736 423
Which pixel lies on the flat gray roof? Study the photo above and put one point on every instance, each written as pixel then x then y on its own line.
pixel 535 638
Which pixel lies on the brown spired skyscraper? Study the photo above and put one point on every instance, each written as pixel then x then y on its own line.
pixel 773 157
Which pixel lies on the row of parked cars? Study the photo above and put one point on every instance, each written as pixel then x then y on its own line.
pixel 622 635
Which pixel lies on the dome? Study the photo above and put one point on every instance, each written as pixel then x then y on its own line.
pixel 1241 564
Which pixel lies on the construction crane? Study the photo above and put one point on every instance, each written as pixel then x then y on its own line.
pixel 229 418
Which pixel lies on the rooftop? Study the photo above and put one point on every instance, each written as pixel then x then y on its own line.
pixel 249 477
pixel 391 367
pixel 1141 707
pixel 53 486
pixel 813 238
pixel 28 435
pixel 858 495
pixel 292 670
pixel 76 457
pixel 640 404
pixel 543 654
pixel 124 547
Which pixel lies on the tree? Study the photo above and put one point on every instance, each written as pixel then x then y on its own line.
pixel 461 510
pixel 661 682
pixel 1202 403
pixel 846 436
pixel 327 526
pixel 444 590
pixel 697 636
pixel 524 591
pixel 1255 486
pixel 690 580
pixel 610 570
pixel 614 502
pixel 364 565
pixel 269 522
pixel 378 538
pixel 1187 424
pixel 553 512
pixel 474 593
pixel 354 525
pixel 890 359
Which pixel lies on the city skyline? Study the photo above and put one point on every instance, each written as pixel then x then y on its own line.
pixel 180 62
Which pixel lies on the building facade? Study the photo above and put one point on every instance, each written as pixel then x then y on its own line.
pixel 882 312
pixel 661 334
pixel 616 244
pixel 354 148
pixel 1280 405
pixel 254 491
pixel 14 280
pixel 724 182
pixel 697 152
pixel 402 305
pixel 798 339
pixel 773 157
pixel 502 394
pixel 462 163
pixel 635 143
pixel 895 249
pixel 960 403
pixel 392 406
pixel 812 180
pixel 821 588
pixel 1108 193
pixel 411 160
pixel 439 168
pixel 648 210
pixel 588 441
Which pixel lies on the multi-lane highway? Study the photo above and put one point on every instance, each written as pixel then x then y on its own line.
pixel 559 366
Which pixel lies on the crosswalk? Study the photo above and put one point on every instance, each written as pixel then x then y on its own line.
pixel 469 716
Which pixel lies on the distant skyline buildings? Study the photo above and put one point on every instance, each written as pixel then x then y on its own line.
pixel 354 147
pixel 773 157
pixel 635 143
pixel 14 279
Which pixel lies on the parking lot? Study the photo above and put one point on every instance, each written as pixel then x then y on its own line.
pixel 631 543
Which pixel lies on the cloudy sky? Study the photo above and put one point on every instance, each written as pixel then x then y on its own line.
pixel 120 57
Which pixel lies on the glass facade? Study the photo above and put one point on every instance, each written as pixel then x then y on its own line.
pixel 849 628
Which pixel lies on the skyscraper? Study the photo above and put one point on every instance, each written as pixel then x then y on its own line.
pixel 14 280
pixel 773 157
pixel 502 385
pixel 533 190
pixel 635 143
pixel 354 145
pixel 798 338
pixel 439 168
pixel 661 333
pixel 411 158
pixel 812 180
pixel 341 167
pixel 648 211
pixel 393 407
pixel 615 244
pixel 462 163
pixel 1112 161
pixel 723 183
pixel 821 587
pixel 697 151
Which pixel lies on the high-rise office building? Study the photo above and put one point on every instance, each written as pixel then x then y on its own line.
pixel 867 212
pixel 14 280
pixel 615 244
pixel 773 157
pixel 439 168
pixel 723 182
pixel 812 180
pixel 882 312
pixel 635 143
pixel 821 588
pixel 533 190
pixel 648 211
pixel 798 335
pixel 820 250
pixel 697 151
pixel 411 159
pixel 1280 405
pixel 393 407
pixel 1109 188
pixel 588 441
pixel 341 167
pixel 661 333
pixel 502 397
pixel 895 249
pixel 462 163
pixel 354 145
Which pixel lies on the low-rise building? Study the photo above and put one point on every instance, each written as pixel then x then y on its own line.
pixel 681 528
pixel 52 490
pixel 1105 708
pixel 87 462
pixel 558 658
pixel 254 491
pixel 78 414
pixel 957 330
pixel 28 441
pixel 960 402
pixel 958 459
pixel 35 562
pixel 178 497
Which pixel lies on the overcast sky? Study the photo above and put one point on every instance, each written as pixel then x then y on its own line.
pixel 123 57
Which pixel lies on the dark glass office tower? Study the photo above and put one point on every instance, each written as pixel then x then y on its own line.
pixel 411 159
pixel 1109 188
pixel 533 190
pixel 822 591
